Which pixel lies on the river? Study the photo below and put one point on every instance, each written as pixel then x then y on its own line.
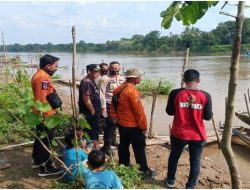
pixel 214 74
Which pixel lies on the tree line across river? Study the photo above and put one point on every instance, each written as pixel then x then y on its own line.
pixel 218 40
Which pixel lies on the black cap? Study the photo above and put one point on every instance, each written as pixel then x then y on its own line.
pixel 47 59
pixel 93 67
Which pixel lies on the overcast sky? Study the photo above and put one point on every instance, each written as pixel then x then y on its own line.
pixel 26 22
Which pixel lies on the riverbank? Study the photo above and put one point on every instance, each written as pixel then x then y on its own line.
pixel 20 175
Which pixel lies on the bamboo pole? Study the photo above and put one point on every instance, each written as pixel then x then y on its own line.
pixel 185 65
pixel 155 93
pixel 73 75
pixel 4 59
pixel 248 94
pixel 246 103
pixel 216 133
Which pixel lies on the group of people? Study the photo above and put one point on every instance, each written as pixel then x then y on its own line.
pixel 115 97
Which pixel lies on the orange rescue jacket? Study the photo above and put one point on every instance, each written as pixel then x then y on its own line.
pixel 41 87
pixel 130 112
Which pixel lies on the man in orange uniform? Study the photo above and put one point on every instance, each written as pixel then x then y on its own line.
pixel 127 111
pixel 42 87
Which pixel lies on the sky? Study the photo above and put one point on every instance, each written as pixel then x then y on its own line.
pixel 29 22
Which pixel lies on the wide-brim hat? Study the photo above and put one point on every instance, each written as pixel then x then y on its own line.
pixel 133 73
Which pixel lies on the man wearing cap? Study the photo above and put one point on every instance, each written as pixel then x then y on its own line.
pixel 89 100
pixel 107 85
pixel 42 88
pixel 127 111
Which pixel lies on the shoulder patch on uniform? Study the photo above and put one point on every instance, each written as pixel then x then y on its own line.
pixel 45 84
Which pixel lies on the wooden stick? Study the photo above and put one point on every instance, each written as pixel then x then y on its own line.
pixel 246 103
pixel 216 133
pixel 4 59
pixel 248 94
pixel 185 65
pixel 73 75
pixel 150 135
pixel 169 133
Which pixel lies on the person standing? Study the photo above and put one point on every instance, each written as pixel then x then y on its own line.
pixel 43 88
pixel 127 111
pixel 189 106
pixel 103 72
pixel 103 69
pixel 107 85
pixel 89 100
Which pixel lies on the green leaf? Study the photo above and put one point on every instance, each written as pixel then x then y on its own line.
pixel 42 107
pixel 52 122
pixel 188 13
pixel 83 123
pixel 87 136
pixel 169 14
pixel 43 134
pixel 32 119
pixel 54 143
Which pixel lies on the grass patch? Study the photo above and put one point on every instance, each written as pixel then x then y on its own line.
pixel 148 86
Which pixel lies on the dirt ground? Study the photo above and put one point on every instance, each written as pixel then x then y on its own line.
pixel 20 175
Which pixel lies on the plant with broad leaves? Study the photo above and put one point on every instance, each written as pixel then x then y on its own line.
pixel 188 11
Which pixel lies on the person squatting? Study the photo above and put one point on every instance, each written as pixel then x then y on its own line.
pixel 114 98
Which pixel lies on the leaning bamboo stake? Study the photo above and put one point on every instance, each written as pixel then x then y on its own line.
pixel 248 94
pixel 155 93
pixel 246 103
pixel 216 133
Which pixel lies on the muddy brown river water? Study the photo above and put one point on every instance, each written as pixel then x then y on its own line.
pixel 214 72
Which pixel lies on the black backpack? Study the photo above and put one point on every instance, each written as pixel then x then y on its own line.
pixel 115 98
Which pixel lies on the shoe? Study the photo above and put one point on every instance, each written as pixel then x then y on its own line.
pixel 50 171
pixel 34 165
pixel 170 183
pixel 150 174
pixel 115 144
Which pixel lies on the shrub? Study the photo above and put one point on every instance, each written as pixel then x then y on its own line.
pixel 148 86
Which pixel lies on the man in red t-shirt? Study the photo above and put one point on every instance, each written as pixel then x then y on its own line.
pixel 189 106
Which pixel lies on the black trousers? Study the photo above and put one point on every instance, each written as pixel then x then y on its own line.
pixel 40 155
pixel 109 130
pixel 134 136
pixel 94 122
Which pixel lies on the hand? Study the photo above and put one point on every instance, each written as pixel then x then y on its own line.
pixel 144 131
pixel 115 120
pixel 103 111
pixel 92 112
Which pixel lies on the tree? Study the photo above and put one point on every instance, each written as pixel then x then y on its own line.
pixel 151 40
pixel 189 13
pixel 225 32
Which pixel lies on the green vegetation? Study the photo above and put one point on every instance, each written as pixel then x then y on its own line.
pixel 17 120
pixel 130 176
pixel 147 86
pixel 57 76
pixel 218 40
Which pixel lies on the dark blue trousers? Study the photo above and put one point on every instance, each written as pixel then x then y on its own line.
pixel 195 150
